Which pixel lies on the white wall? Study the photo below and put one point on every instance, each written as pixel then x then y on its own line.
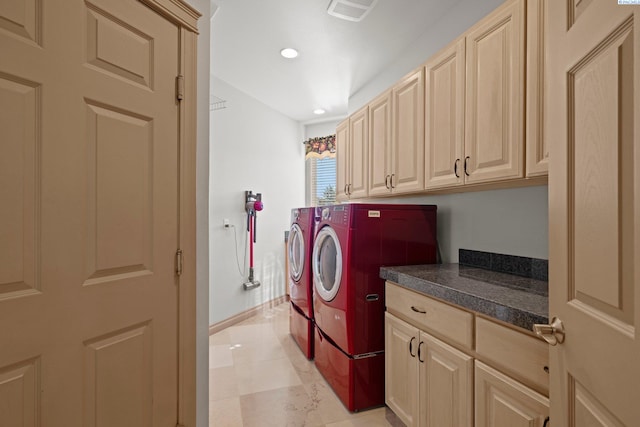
pixel 321 129
pixel 459 19
pixel 252 148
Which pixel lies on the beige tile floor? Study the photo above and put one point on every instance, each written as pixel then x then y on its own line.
pixel 258 377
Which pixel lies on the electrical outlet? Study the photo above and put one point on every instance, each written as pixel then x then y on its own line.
pixel 225 223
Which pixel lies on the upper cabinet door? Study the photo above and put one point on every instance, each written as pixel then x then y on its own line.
pixel 537 145
pixel 342 159
pixel 594 211
pixel 408 134
pixel 380 145
pixel 444 117
pixel 495 53
pixel 359 141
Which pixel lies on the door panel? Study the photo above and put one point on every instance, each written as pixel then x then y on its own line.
pixel 408 134
pixel 380 145
pixel 22 18
pixel 402 369
pixel 444 117
pixel 594 206
pixel 90 173
pixel 502 401
pixel 19 162
pixel 20 394
pixel 117 378
pixel 342 160
pixel 494 108
pixel 106 36
pixel 359 149
pixel 446 385
pixel 120 205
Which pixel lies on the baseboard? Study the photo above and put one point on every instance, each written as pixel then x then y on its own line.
pixel 223 324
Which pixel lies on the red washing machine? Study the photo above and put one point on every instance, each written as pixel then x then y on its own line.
pixel 352 242
pixel 300 278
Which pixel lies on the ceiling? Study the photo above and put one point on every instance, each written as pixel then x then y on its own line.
pixel 337 57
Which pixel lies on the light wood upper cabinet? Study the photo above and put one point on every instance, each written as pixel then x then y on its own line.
pixel 396 138
pixel 380 145
pixel 359 145
pixel 537 155
pixel 444 117
pixel 407 153
pixel 342 155
pixel 481 113
pixel 352 139
pixel 494 104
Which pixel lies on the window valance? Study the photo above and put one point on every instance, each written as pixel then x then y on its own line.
pixel 323 146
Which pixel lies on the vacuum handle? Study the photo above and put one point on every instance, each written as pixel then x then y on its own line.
pixel 255 224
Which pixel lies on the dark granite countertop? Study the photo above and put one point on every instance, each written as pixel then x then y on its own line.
pixel 513 299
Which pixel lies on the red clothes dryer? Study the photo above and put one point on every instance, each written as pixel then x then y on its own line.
pixel 352 242
pixel 300 245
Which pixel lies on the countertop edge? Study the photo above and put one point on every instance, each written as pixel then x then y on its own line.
pixel 513 315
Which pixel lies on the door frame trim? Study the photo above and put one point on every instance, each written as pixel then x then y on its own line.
pixel 187 232
pixel 177 11
pixel 186 18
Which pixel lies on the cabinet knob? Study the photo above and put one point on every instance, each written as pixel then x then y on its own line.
pixel 552 333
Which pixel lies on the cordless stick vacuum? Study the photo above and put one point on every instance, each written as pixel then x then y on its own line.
pixel 253 204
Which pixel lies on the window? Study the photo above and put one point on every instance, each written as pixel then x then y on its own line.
pixel 321 181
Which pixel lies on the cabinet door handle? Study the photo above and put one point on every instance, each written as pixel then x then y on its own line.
pixel 411 347
pixel 455 168
pixel 393 175
pixel 345 190
pixel 418 310
pixel 466 159
pixel 546 422
pixel 420 351
pixel 386 182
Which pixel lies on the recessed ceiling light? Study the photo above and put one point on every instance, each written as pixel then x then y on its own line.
pixel 289 53
pixel 319 111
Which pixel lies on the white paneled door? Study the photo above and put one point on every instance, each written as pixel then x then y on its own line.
pixel 89 202
pixel 593 111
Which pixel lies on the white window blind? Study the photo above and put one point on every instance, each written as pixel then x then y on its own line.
pixel 321 181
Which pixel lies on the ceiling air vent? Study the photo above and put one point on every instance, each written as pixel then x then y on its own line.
pixel 351 10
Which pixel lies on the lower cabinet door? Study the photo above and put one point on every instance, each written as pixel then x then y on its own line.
pixel 446 384
pixel 401 369
pixel 503 402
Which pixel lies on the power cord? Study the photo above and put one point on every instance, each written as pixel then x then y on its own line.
pixel 243 272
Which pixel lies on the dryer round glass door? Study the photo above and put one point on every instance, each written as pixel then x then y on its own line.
pixel 296 252
pixel 327 263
